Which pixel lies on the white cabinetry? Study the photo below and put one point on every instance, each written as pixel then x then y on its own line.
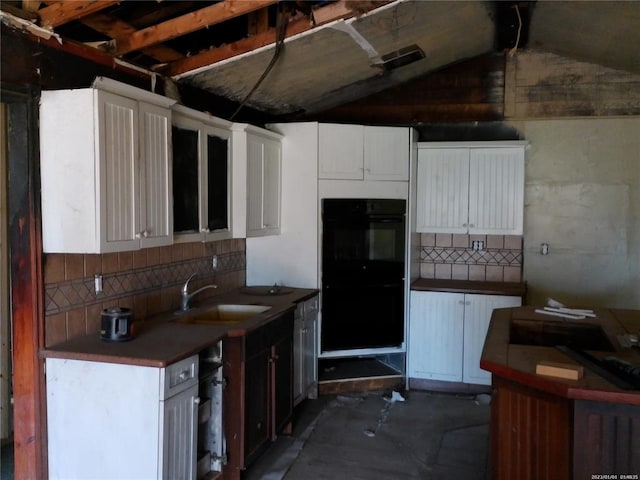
pixel 264 156
pixel 470 188
pixel 357 152
pixel 115 421
pixel 201 176
pixel 105 169
pixel 305 350
pixel 447 333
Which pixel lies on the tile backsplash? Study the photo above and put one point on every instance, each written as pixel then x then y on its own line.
pixel 147 281
pixel 452 256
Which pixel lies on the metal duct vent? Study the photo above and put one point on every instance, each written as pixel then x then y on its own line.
pixel 401 57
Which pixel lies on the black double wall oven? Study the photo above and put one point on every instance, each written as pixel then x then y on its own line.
pixel 363 265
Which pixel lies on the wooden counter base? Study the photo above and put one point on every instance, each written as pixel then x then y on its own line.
pixel 545 428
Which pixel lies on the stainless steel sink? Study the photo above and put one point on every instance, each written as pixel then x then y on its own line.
pixel 223 314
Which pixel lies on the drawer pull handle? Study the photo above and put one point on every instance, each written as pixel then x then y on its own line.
pixel 184 375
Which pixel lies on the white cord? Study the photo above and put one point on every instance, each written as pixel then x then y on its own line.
pixel 512 52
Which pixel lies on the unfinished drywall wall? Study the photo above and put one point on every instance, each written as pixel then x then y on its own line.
pixel 582 198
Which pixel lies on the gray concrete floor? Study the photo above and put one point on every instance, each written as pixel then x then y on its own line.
pixel 366 436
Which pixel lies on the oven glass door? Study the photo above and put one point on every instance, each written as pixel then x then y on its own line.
pixel 371 246
pixel 362 316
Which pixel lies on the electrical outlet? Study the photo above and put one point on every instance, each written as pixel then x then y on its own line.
pixel 214 262
pixel 477 245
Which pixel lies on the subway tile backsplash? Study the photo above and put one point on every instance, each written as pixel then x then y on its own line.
pixel 147 281
pixel 452 257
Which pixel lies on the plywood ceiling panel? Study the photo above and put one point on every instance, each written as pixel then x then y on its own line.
pixel 317 69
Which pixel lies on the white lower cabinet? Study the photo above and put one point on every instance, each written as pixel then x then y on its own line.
pixel 447 333
pixel 305 350
pixel 114 421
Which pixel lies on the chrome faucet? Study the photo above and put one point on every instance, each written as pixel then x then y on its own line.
pixel 186 296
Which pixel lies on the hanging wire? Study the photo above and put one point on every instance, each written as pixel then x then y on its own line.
pixel 513 51
pixel 281 30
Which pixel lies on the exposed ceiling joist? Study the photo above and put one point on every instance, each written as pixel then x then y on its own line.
pixel 59 13
pixel 116 28
pixel 187 23
pixel 322 15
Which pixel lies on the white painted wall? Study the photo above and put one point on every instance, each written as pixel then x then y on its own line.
pixel 291 258
pixel 583 198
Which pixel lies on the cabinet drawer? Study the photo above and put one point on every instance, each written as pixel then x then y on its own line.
pixel 180 376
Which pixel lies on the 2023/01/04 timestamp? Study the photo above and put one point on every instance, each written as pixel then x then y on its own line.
pixel 615 476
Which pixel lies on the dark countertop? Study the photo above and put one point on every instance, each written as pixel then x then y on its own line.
pixel 470 286
pixel 160 341
pixel 517 363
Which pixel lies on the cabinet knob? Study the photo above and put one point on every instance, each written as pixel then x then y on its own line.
pixel 142 234
pixel 464 225
pixel 183 375
pixel 471 225
pixel 196 400
pixel 205 230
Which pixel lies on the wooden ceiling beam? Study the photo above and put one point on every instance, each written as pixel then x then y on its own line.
pixel 115 28
pixel 59 13
pixel 322 15
pixel 185 24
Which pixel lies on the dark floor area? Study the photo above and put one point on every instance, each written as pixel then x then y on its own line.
pixel 381 435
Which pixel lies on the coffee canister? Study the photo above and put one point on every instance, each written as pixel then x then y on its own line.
pixel 116 324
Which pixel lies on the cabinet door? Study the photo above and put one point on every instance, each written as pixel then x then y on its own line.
pixel 496 190
pixel 442 190
pixel 340 151
pixel 180 435
pixel 386 153
pixel 263 186
pixel 271 189
pixel 216 183
pixel 119 174
pixel 299 342
pixel 435 336
pixel 282 387
pixel 186 185
pixel 310 374
pixel 257 409
pixel 255 193
pixel 477 315
pixel 156 211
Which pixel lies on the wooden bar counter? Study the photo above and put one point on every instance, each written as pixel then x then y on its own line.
pixel 547 428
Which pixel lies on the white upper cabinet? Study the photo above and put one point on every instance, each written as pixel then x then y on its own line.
pixel 105 169
pixel 341 151
pixel 471 189
pixel 357 152
pixel 386 153
pixel 443 190
pixel 201 176
pixel 264 157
